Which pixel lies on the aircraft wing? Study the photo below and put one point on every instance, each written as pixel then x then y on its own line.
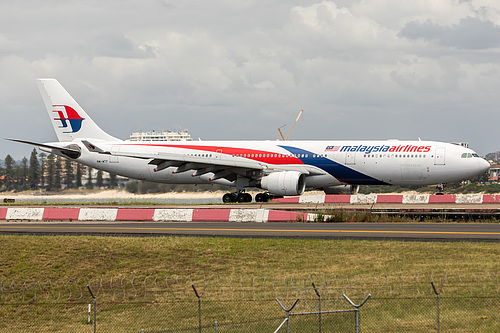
pixel 227 168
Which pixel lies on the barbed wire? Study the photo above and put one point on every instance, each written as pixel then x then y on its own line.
pixel 331 287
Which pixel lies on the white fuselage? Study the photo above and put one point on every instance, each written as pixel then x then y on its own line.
pixel 325 163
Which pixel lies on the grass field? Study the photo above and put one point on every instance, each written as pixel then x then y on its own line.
pixel 55 257
pixel 44 258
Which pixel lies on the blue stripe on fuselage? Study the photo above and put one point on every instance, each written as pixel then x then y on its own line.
pixel 337 170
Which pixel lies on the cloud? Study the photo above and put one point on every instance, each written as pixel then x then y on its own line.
pixel 116 45
pixel 470 33
pixel 239 70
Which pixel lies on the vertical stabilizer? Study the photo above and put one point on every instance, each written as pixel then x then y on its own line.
pixel 70 121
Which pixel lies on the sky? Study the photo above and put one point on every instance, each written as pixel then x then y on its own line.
pixel 230 70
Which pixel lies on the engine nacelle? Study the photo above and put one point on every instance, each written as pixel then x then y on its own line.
pixel 284 183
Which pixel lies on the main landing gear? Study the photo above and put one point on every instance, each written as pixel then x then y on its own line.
pixel 246 197
pixel 236 197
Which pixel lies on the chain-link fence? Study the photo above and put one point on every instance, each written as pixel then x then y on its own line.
pixel 467 303
pixel 458 314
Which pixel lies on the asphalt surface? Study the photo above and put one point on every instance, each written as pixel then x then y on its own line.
pixel 483 232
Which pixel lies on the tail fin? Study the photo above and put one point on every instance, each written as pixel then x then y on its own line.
pixel 70 121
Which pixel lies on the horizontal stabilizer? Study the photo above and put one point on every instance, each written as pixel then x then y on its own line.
pixel 72 150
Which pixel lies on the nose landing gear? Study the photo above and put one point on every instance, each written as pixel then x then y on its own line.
pixel 440 189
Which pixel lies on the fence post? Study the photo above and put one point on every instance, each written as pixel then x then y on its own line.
pixel 319 305
pixel 199 306
pixel 287 314
pixel 357 308
pixel 92 294
pixel 437 292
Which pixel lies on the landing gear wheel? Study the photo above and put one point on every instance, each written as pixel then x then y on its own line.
pixel 244 197
pixel 236 197
pixel 262 197
pixel 240 197
pixel 229 197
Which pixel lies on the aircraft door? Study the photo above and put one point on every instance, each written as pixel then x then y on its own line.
pixel 439 157
pixel 114 158
pixel 218 154
pixel 350 158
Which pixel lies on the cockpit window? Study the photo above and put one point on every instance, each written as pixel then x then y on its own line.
pixel 469 155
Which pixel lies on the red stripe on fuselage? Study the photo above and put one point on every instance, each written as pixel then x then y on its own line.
pixel 258 155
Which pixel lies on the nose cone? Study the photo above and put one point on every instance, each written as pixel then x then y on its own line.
pixel 483 165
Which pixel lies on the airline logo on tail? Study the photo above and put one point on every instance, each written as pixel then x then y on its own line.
pixel 72 118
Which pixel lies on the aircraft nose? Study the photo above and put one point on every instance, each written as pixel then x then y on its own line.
pixel 483 165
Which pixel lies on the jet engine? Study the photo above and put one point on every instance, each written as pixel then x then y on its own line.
pixel 284 183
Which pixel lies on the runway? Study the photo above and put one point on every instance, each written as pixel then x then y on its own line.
pixel 483 232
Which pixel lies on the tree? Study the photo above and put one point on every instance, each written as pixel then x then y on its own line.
pixel 113 183
pixel 42 167
pixel 58 174
pixel 99 183
pixel 23 175
pixel 9 172
pixel 69 174
pixel 51 169
pixel 34 171
pixel 89 184
pixel 2 178
pixel 78 175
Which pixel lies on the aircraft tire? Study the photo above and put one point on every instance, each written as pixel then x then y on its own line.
pixel 262 197
pixel 241 197
pixel 228 197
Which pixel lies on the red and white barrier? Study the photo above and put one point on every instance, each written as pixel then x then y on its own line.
pixel 231 215
pixel 151 214
pixel 395 199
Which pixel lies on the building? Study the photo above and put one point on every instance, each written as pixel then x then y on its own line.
pixel 161 136
pixel 463 144
pixel 494 173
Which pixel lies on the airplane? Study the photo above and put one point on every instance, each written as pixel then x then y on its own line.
pixel 279 168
